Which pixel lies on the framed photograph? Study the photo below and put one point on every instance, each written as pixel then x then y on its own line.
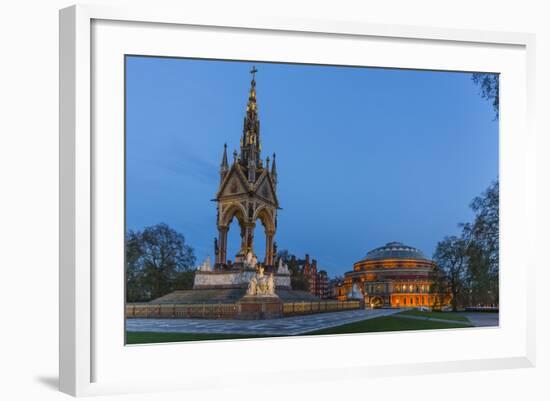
pixel 275 195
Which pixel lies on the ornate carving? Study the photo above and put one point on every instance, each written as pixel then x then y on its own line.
pixel 247 189
pixel 355 292
pixel 205 267
pixel 261 286
pixel 251 261
pixel 250 210
pixel 283 268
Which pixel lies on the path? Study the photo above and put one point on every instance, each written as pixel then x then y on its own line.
pixel 434 319
pixel 286 326
pixel 481 319
pixel 475 319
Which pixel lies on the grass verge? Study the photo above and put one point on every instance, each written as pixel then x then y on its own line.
pixel 143 337
pixel 388 323
pixel 437 315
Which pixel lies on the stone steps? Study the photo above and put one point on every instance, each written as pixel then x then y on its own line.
pixel 226 295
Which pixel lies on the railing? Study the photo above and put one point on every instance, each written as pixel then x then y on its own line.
pixel 304 308
pixel 174 311
pixel 230 311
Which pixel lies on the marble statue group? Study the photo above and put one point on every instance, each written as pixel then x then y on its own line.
pixel 261 285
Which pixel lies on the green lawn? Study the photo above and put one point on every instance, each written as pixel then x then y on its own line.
pixel 388 323
pixel 143 337
pixel 437 315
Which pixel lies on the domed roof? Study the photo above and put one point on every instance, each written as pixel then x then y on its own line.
pixel 395 250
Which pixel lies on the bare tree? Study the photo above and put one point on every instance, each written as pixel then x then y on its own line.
pixel 156 260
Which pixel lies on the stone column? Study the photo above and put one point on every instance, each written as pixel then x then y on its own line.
pixel 247 238
pixel 244 235
pixel 223 245
pixel 269 248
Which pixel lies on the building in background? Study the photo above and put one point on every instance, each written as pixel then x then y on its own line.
pixel 336 289
pixel 322 285
pixel 309 270
pixel 306 270
pixel 394 275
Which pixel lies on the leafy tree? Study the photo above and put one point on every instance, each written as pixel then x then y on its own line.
pixel 450 256
pixel 299 282
pixel 283 254
pixel 489 86
pixel 483 247
pixel 184 280
pixel 157 259
pixel 485 228
pixel 440 287
pixel 135 286
pixel 470 263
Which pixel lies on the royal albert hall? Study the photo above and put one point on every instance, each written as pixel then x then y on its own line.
pixel 394 275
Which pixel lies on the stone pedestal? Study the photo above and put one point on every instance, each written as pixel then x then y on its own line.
pixel 259 307
pixel 234 279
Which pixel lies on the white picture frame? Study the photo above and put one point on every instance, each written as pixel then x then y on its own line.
pixel 92 358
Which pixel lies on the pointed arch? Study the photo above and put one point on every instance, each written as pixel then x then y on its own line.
pixel 231 210
pixel 266 215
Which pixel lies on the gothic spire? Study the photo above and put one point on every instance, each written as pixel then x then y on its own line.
pixel 250 141
pixel 274 170
pixel 224 166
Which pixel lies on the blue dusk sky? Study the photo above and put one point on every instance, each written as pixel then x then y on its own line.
pixel 365 156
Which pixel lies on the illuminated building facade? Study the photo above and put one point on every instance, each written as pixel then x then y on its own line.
pixel 397 276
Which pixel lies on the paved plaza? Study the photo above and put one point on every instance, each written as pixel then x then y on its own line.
pixel 481 319
pixel 285 326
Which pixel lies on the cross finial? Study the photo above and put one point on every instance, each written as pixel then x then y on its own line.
pixel 253 71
